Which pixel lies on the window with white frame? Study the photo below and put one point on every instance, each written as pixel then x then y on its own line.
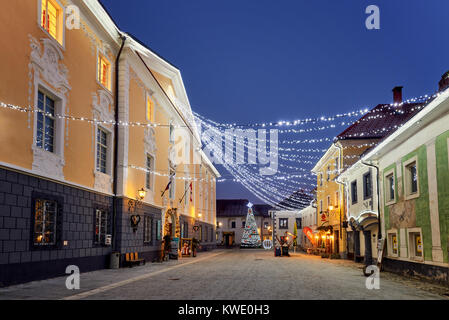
pixel 328 173
pixel 45 216
pixel 149 172
pixel 171 133
pixel 102 150
pixel 186 192
pixel 411 178
pixel 321 179
pixel 52 19
pixel 337 199
pixel 171 189
pixel 46 122
pixel 354 192
pixel 337 169
pixel 150 109
pixel 147 229
pixel 415 243
pixel 283 223
pixel 367 186
pixel 104 71
pixel 390 188
pixel 101 226
pixel 393 243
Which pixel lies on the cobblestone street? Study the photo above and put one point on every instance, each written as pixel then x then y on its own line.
pixel 232 275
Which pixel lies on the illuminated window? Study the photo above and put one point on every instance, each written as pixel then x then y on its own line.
pixel 52 17
pixel 104 72
pixel 45 222
pixel 150 109
pixel 101 218
pixel 393 244
pixel 416 244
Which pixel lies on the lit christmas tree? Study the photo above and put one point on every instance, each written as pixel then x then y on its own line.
pixel 250 237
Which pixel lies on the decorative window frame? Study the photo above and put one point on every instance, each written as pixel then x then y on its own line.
pixel 411 244
pixel 390 244
pixel 62 22
pixel 389 201
pixel 149 196
pixel 406 178
pixel 365 189
pixel 103 181
pixel 284 220
pixel 149 96
pixel 46 163
pixel 111 70
pixel 356 200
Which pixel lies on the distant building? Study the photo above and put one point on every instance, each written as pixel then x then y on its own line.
pixel 231 220
pixel 309 219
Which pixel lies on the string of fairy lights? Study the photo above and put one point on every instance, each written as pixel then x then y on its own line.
pixel 279 185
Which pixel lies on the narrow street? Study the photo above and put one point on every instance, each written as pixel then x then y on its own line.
pixel 230 275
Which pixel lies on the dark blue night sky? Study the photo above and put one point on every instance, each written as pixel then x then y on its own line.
pixel 249 61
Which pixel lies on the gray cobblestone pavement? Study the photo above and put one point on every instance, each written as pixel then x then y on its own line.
pixel 232 275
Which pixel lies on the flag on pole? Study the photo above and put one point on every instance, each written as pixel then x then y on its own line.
pixel 168 184
pixel 191 191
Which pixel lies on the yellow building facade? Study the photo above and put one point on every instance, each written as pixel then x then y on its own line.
pixel 95 128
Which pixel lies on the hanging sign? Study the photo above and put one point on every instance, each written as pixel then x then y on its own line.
pixel 309 234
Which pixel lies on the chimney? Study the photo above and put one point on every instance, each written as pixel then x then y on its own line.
pixel 397 94
pixel 444 82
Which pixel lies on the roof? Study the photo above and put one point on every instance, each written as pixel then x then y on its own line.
pixel 380 121
pixel 238 208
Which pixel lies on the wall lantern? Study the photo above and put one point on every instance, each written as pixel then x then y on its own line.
pixel 142 192
pixel 331 208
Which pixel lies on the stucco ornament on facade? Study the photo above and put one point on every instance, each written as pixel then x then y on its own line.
pixel 102 102
pixel 45 61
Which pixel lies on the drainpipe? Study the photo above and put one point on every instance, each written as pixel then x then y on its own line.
pixel 115 167
pixel 379 229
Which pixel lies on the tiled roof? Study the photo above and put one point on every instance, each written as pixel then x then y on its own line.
pixel 380 121
pixel 238 208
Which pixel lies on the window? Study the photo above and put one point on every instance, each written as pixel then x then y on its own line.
pixel 52 19
pixel 367 186
pixel 336 166
pixel 393 244
pixel 104 72
pixel 102 149
pixel 147 229
pixel 150 109
pixel 45 130
pixel 186 193
pixel 321 205
pixel 149 173
pixel 171 133
pixel 337 199
pixel 243 223
pixel 45 213
pixel 232 224
pixel 298 223
pixel 329 202
pixel 171 189
pixel 265 225
pixel 390 191
pixel 283 223
pixel 201 233
pixel 328 173
pixel 158 230
pixel 411 178
pixel 416 244
pixel 101 219
pixel 321 179
pixel 354 192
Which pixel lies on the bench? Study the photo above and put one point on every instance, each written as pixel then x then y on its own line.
pixel 132 259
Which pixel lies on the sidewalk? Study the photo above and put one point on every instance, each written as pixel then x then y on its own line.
pixel 412 282
pixel 96 281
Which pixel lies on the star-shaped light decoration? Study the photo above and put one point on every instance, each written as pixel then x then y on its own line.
pixel 249 205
